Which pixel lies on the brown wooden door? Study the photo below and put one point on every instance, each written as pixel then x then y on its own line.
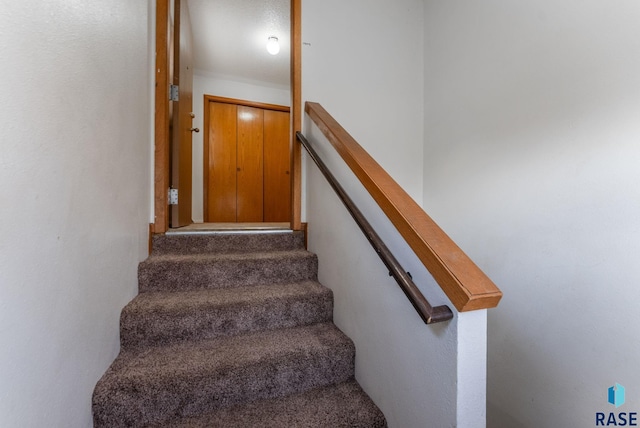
pixel 246 166
pixel 277 179
pixel 181 120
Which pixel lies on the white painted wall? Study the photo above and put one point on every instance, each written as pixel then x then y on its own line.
pixel 532 161
pixel 363 61
pixel 75 166
pixel 206 83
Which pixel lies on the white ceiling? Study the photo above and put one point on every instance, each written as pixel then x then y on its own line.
pixel 230 38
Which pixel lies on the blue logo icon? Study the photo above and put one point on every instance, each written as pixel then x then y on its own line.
pixel 616 395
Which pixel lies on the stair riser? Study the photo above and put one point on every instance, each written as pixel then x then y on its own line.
pixel 190 394
pixel 223 243
pixel 189 274
pixel 153 328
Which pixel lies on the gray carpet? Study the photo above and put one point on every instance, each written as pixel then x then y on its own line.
pixel 232 330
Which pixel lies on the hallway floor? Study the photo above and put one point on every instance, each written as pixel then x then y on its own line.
pixel 213 227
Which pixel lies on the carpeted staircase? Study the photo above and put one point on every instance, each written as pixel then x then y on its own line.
pixel 232 330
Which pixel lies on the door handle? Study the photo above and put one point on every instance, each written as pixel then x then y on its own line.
pixel 194 130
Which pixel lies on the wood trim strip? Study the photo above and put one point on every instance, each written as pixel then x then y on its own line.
pixel 151 233
pixel 161 153
pixel 246 103
pixel 304 227
pixel 296 114
pixel 463 282
pixel 205 160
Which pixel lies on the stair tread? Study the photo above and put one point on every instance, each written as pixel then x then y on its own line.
pixel 153 384
pixel 342 405
pixel 192 271
pixel 232 351
pixel 160 317
pixel 225 242
pixel 241 256
pixel 174 301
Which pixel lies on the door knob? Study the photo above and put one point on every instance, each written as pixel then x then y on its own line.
pixel 194 130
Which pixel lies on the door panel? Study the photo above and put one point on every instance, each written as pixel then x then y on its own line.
pixel 277 179
pixel 221 200
pixel 181 144
pixel 250 164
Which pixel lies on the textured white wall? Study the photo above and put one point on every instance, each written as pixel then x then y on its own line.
pixel 208 84
pixel 407 367
pixel 74 165
pixel 532 161
pixel 363 61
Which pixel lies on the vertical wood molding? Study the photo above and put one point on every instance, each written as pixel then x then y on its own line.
pixel 305 229
pixel 296 114
pixel 161 159
pixel 205 160
pixel 151 233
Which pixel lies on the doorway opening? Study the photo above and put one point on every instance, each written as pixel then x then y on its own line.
pixel 169 159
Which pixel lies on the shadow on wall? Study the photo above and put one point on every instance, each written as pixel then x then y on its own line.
pixel 496 418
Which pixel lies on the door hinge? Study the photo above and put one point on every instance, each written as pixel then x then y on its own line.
pixel 173 196
pixel 174 93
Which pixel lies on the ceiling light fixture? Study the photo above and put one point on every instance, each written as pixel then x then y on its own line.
pixel 273 47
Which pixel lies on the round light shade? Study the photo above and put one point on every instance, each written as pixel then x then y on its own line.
pixel 273 47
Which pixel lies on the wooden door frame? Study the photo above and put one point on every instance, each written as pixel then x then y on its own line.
pixel 162 173
pixel 205 136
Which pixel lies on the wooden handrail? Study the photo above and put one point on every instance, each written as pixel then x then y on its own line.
pixel 460 278
pixel 428 313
